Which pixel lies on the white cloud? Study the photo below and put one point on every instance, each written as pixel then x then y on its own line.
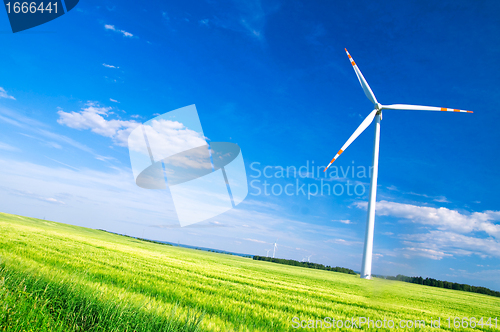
pixel 343 221
pixel 92 117
pixel 112 28
pixel 115 101
pixel 454 233
pixel 255 240
pixel 441 199
pixel 167 138
pixel 53 200
pixel 442 218
pixel 424 252
pixel 4 94
pixel 445 244
pixel 109 66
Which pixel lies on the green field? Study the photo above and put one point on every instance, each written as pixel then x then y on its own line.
pixel 57 277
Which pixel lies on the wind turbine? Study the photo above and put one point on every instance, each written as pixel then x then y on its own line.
pixel 308 258
pixel 268 250
pixel 275 247
pixel 366 266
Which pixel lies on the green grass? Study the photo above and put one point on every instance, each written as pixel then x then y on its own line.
pixel 57 277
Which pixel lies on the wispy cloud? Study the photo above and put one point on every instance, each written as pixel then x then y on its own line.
pixel 250 18
pixel 29 194
pixel 439 199
pixel 37 127
pixel 114 101
pixel 60 162
pixel 20 120
pixel 315 35
pixel 45 142
pixel 110 66
pixel 86 190
pixel 7 147
pixel 487 275
pixel 343 221
pixel 65 139
pixel 123 32
pixel 4 94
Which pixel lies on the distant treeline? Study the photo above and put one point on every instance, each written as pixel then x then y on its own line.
pixel 304 264
pixel 443 284
pixel 137 238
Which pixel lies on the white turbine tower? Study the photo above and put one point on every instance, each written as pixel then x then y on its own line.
pixel 366 267
pixel 268 250
pixel 275 247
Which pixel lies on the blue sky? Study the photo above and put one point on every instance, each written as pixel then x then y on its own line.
pixel 272 77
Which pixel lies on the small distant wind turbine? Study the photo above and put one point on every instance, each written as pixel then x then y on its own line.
pixel 309 258
pixel 268 250
pixel 275 247
pixel 366 267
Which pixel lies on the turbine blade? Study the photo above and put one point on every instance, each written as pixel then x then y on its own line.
pixel 421 108
pixel 362 81
pixel 366 122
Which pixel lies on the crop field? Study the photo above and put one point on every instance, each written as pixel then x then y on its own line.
pixel 57 277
